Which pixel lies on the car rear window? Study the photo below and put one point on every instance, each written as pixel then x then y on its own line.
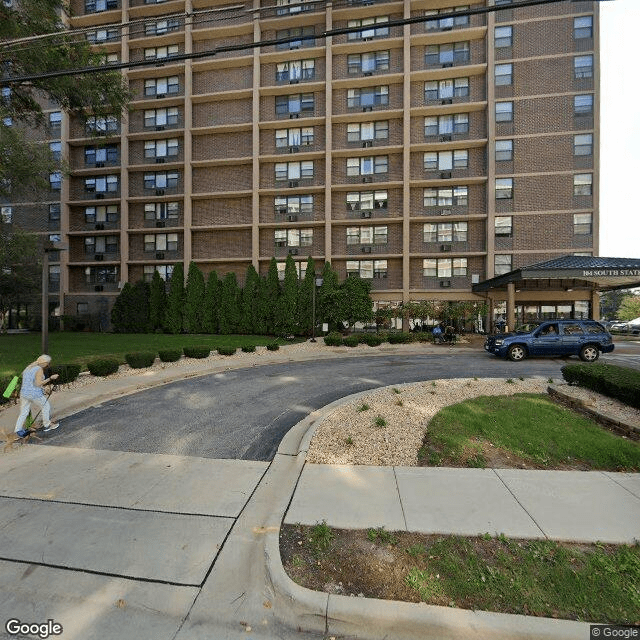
pixel 571 329
pixel 594 327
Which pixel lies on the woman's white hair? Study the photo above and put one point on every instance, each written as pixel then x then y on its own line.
pixel 44 359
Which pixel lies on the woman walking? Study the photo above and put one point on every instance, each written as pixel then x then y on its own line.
pixel 32 392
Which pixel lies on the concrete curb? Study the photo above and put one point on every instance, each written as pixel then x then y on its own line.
pixel 373 619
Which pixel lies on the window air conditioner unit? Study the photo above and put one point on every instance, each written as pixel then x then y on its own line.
pixel 160 95
pixel 367 143
pixel 366 214
pixel 446 65
pixel 367 73
pixel 160 127
pixel 160 256
pixel 366 178
pixel 159 160
pixel 445 247
pixel 159 192
pixel 294 149
pixel 366 249
pixel 447 101
pixel 447 28
pixel 294 115
pixel 445 284
pixel 99 196
pixel 292 218
pixel 367 108
pixel 99 256
pixel 445 212
pixel 98 287
pixel 293 183
pixel 352 206
pixel 445 138
pixel 294 81
pixel 99 165
pixel 281 210
pixel 99 227
pixel 293 251
pixel 445 174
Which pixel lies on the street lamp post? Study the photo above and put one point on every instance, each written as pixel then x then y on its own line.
pixel 317 282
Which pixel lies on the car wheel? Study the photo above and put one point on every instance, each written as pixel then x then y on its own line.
pixel 589 353
pixel 516 353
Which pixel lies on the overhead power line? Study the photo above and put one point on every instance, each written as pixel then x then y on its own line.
pixel 116 66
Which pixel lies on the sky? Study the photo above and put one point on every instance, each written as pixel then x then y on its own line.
pixel 619 129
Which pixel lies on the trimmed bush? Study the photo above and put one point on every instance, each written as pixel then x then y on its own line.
pixel 197 351
pixel 351 341
pixel 140 359
pixel 249 348
pixel 226 351
pixel 333 339
pixel 621 383
pixel 66 372
pixel 273 346
pixel 401 337
pixel 170 355
pixel 372 339
pixel 102 366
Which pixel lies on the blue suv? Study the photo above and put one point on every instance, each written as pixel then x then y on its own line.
pixel 584 338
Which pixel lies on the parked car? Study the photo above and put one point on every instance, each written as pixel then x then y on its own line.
pixel 584 338
pixel 631 326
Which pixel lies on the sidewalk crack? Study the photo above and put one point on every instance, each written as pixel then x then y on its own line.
pixel 404 517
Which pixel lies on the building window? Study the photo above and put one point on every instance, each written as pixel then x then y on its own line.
pixel 161 27
pixel 161 210
pixel 105 213
pixel 303 33
pixel 160 87
pixel 367 200
pixel 110 58
pixel 56 150
pixel 444 267
pixel 363 131
pixel 101 275
pixel 445 232
pixel 367 166
pixel 367 269
pixel 446 160
pixel 55 181
pixel 446 124
pixel 582 224
pixel 504 188
pixel 158 53
pixel 583 104
pixel 161 180
pixel 583 27
pixel 54 212
pixel 286 7
pixel 102 125
pixel 504 74
pixel 583 184
pixel 294 170
pixel 301 269
pixel 502 263
pixel 6 214
pixel 503 226
pixel 55 121
pixel 446 197
pixel 504 150
pixel 367 235
pixel 165 271
pixel 102 184
pixel 446 54
pixel 54 276
pixel 100 36
pixel 583 67
pixel 101 155
pixel 367 63
pixel 368 97
pixel 503 37
pixel 583 144
pixel 82 308
pixel 295 104
pixel 294 205
pixel 294 138
pixel 295 70
pixel 293 237
pixel 100 244
pixel 161 242
pixel 449 22
pixel 96 6
pixel 446 89
pixel 161 148
pixel 371 28
pixel 161 117
pixel 504 111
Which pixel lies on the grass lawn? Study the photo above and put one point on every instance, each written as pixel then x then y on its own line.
pixel 528 426
pixel 18 350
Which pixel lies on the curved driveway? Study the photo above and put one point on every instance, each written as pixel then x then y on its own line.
pixel 244 413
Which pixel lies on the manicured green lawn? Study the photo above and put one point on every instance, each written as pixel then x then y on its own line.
pixel 18 350
pixel 529 426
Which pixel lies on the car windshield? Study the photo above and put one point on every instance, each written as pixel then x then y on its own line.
pixel 528 327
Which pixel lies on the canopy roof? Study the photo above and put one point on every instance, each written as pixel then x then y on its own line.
pixel 570 272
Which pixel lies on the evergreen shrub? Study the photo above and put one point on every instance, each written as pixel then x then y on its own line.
pixel 273 346
pixel 621 383
pixel 66 372
pixel 140 359
pixel 248 348
pixel 351 341
pixel 401 337
pixel 170 355
pixel 372 339
pixel 333 339
pixel 226 351
pixel 102 366
pixel 197 351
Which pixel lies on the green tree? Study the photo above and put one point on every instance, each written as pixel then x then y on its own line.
pixel 173 317
pixel 357 305
pixel 157 302
pixel 629 308
pixel 24 165
pixel 194 300
pixel 229 311
pixel 287 307
pixel 272 296
pixel 305 299
pixel 130 312
pixel 329 300
pixel 120 309
pixel 250 301
pixel 262 307
pixel 211 303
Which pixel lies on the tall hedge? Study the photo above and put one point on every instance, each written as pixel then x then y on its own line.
pixel 272 295
pixel 211 303
pixel 305 299
pixel 173 318
pixel 249 302
pixel 621 383
pixel 229 310
pixel 287 306
pixel 194 300
pixel 157 302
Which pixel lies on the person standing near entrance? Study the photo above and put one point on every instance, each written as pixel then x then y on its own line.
pixel 32 392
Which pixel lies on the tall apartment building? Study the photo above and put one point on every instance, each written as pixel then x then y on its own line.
pixel 426 155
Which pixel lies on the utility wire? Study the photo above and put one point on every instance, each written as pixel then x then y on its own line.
pixel 267 43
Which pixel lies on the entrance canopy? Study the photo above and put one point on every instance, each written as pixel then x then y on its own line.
pixel 602 274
